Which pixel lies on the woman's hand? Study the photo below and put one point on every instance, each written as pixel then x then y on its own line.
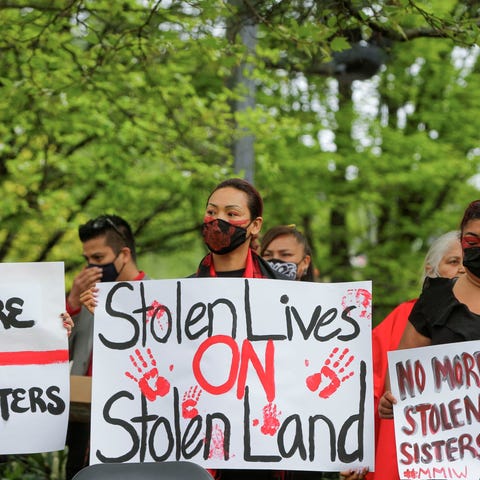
pixel 67 322
pixel 354 474
pixel 88 298
pixel 385 405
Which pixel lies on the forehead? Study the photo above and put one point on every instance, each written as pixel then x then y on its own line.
pixel 472 226
pixel 229 196
pixel 285 242
pixel 96 245
pixel 453 250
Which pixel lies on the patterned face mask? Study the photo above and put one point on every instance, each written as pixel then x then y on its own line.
pixel 289 269
pixel 222 237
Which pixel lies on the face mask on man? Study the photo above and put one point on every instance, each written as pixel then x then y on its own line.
pixel 109 271
pixel 471 260
pixel 222 237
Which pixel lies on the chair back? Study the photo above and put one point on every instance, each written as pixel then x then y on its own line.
pixel 181 470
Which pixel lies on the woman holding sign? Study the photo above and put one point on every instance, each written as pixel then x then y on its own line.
pixel 443 259
pixel 232 223
pixel 448 310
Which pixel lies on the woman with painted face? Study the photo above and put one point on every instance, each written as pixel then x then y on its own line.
pixel 231 224
pixel 287 251
pixel 448 310
pixel 232 221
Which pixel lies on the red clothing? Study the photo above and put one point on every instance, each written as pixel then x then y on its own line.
pixel 386 336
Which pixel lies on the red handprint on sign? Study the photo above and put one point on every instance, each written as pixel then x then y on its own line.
pixel 217 443
pixel 189 402
pixel 156 312
pixel 151 384
pixel 361 299
pixel 270 419
pixel 331 375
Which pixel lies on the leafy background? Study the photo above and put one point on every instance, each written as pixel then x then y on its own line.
pixel 363 118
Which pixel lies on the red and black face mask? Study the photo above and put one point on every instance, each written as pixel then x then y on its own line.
pixel 222 237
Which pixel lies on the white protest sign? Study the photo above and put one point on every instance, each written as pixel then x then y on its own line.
pixel 233 373
pixel 437 417
pixel 34 370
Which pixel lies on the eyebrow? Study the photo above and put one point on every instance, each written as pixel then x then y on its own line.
pixel 226 206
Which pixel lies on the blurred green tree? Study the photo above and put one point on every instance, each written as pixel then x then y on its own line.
pixel 364 125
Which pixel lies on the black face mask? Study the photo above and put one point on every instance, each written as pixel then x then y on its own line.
pixel 471 260
pixel 289 269
pixel 222 237
pixel 109 271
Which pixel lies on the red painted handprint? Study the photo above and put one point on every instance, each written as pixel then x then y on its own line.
pixel 331 375
pixel 151 384
pixel 189 402
pixel 361 299
pixel 270 419
pixel 217 443
pixel 157 312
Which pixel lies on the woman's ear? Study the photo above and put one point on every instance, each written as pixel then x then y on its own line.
pixel 256 226
pixel 305 263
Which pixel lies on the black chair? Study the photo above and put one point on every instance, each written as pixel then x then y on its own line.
pixel 181 470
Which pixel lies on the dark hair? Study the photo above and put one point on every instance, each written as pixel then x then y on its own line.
pixel 279 230
pixel 117 231
pixel 255 202
pixel 472 212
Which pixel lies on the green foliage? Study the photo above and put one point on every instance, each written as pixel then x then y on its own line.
pixel 39 466
pixel 127 108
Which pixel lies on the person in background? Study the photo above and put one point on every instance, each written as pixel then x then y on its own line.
pixel 448 310
pixel 287 250
pixel 110 255
pixel 443 259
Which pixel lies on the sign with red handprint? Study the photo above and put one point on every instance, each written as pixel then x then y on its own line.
pixel 234 373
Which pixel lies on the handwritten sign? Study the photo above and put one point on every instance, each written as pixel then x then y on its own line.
pixel 233 373
pixel 437 417
pixel 34 373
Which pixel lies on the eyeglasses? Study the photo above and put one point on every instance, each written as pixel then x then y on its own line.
pixel 101 223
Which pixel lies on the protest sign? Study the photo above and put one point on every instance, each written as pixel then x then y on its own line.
pixel 233 373
pixel 437 417
pixel 34 372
